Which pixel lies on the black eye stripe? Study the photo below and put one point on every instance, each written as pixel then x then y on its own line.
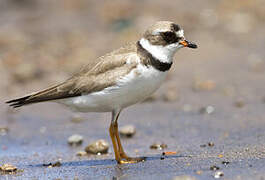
pixel 170 37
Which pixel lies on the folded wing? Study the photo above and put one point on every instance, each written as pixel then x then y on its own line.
pixel 94 77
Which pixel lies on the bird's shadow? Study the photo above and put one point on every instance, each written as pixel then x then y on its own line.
pixel 104 161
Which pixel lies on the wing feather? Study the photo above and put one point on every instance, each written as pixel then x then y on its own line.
pixel 94 77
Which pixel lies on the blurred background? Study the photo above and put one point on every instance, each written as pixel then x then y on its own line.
pixel 214 92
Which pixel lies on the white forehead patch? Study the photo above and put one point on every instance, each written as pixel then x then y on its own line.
pixel 180 33
pixel 158 31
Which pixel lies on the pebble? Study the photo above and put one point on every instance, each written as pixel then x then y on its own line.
pixel 210 144
pixel 127 131
pixel 184 177
pixel 207 110
pixel 203 145
pixel 8 168
pixel 81 153
pixel 3 131
pixel 57 164
pixel 77 119
pixel 43 129
pixel 98 147
pixel 218 174
pixel 214 168
pixel 158 146
pixel 207 85
pixel 240 103
pixel 75 140
pixel 225 162
pixel 50 165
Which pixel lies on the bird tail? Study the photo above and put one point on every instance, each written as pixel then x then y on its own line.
pixel 15 103
pixel 44 95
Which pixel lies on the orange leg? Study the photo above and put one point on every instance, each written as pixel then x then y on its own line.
pixel 121 157
pixel 112 136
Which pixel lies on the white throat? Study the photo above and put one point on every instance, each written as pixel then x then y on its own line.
pixel 163 53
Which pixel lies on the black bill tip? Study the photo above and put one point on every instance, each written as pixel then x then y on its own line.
pixel 191 45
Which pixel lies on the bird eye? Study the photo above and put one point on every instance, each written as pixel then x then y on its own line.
pixel 170 37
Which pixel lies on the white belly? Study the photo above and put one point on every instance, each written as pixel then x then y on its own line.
pixel 139 84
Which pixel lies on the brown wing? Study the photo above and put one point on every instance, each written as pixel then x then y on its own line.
pixel 94 77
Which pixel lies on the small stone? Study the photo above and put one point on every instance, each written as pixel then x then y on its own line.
pixel 207 85
pixel 184 177
pixel 43 129
pixel 210 144
pixel 50 165
pixel 8 168
pixel 207 110
pixel 3 131
pixel 75 140
pixel 57 164
pixel 77 119
pixel 225 162
pixel 81 153
pixel 218 174
pixel 203 145
pixel 214 168
pixel 127 131
pixel 158 146
pixel 240 103
pixel 100 146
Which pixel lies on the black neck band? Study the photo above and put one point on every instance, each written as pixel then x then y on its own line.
pixel 161 66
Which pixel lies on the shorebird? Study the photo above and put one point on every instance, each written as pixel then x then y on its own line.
pixel 118 79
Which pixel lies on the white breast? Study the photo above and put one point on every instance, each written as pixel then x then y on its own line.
pixel 136 86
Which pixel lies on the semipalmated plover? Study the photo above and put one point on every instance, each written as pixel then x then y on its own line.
pixel 119 79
